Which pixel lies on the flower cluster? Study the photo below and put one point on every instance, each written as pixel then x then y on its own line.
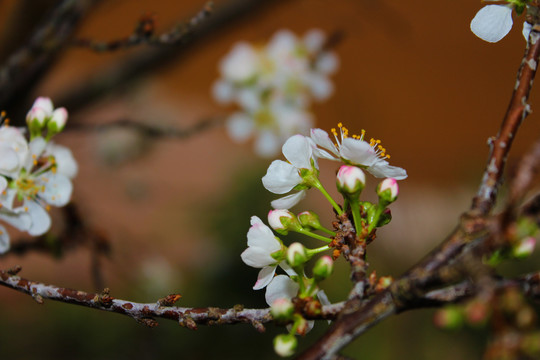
pixel 34 174
pixel 494 22
pixel 274 85
pixel 287 293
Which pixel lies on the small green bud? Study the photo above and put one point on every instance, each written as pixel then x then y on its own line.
pixel 296 255
pixel 309 220
pixel 323 268
pixel 285 345
pixel 451 318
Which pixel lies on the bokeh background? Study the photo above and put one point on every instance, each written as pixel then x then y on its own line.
pixel 176 211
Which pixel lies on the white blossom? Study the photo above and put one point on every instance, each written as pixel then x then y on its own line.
pixel 283 176
pixel 493 22
pixel 355 151
pixel 261 245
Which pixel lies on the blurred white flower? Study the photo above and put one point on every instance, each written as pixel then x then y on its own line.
pixel 273 85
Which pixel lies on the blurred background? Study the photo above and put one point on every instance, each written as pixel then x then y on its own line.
pixel 175 212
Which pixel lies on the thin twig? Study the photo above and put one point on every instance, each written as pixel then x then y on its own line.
pixel 144 33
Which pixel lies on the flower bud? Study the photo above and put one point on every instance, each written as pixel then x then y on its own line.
pixel 350 180
pixel 296 255
pixel 323 268
pixel 450 318
pixel 35 119
pixel 282 309
pixel 44 103
pixel 283 221
pixel 58 121
pixel 285 345
pixel 524 248
pixel 303 326
pixel 388 190
pixel 309 220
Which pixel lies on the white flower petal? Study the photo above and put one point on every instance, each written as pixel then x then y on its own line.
pixel 358 152
pixel 4 240
pixel 18 218
pixel 240 126
pixel 287 268
pixel 327 63
pixel 526 30
pixel 382 169
pixel 321 138
pixel 223 91
pixel 314 40
pixel 40 219
pixel 281 177
pixel 321 87
pixel 3 184
pixel 288 201
pixel 65 162
pixel 35 149
pixel 280 287
pixel 265 277
pixel 249 99
pixel 492 22
pixel 57 188
pixel 9 160
pixel 260 235
pixel 298 150
pixel 267 144
pixel 241 63
pixel 257 257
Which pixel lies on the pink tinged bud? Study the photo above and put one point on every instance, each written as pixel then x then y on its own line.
pixel 323 268
pixel 525 247
pixel 285 345
pixel 388 190
pixel 282 309
pixel 44 103
pixel 283 221
pixel 350 179
pixel 296 255
pixel 36 117
pixel 59 118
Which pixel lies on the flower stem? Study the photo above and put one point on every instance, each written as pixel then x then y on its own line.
pixel 311 252
pixel 319 186
pixel 355 209
pixel 315 236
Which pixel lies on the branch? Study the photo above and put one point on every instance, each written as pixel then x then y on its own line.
pixel 144 33
pixel 29 62
pixel 120 75
pixel 473 228
pixel 147 312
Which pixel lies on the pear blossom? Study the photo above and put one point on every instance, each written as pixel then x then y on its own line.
pixel 262 244
pixel 493 22
pixel 273 86
pixel 355 151
pixel 284 176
